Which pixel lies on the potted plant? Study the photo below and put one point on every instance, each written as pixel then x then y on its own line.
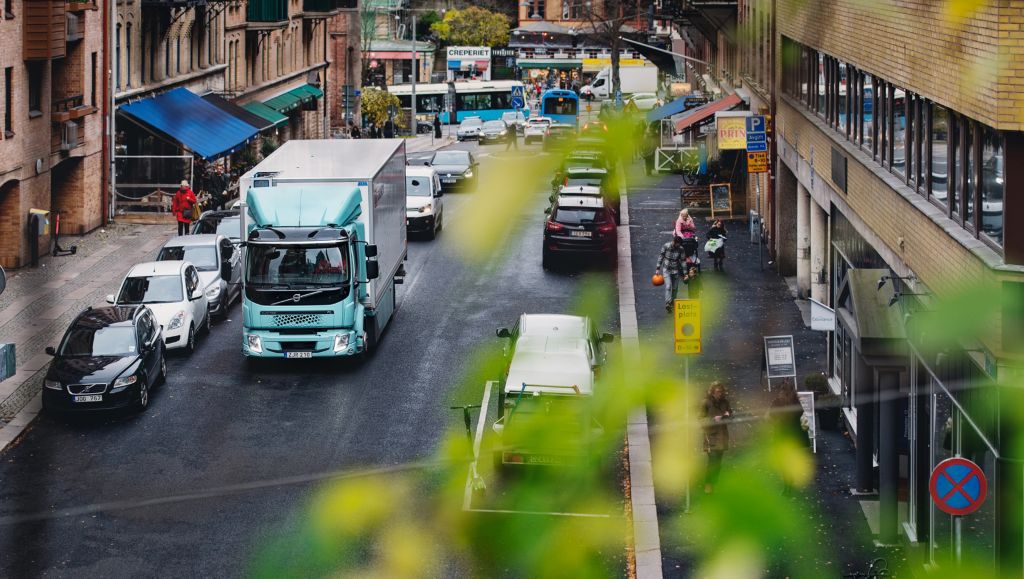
pixel 826 403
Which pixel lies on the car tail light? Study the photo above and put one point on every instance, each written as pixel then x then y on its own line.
pixel 553 226
pixel 514 458
pixel 606 227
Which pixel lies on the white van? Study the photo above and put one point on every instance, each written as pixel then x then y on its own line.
pixel 424 205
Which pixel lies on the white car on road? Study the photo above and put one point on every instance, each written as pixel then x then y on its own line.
pixel 174 293
pixel 469 128
pixel 424 206
pixel 536 129
pixel 644 101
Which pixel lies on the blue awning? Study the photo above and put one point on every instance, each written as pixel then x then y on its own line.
pixel 675 107
pixel 199 126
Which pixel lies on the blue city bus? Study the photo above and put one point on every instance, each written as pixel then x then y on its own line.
pixel 485 99
pixel 562 106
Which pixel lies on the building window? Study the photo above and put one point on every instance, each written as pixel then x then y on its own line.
pixel 8 9
pixel 94 74
pixel 177 54
pixel 970 129
pixel 8 102
pixel 128 55
pixel 955 165
pixel 819 84
pixel 993 173
pixel 117 58
pixel 35 89
pixel 574 9
pixel 921 132
pixel 900 131
pixel 938 181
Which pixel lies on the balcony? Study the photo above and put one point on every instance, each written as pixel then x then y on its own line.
pixel 44 30
pixel 171 3
pixel 76 6
pixel 69 109
pixel 318 9
pixel 266 14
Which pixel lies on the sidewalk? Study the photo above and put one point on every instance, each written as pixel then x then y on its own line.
pixel 758 304
pixel 40 302
pixel 422 143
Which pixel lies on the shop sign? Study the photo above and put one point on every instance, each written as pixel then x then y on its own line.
pixel 469 53
pixel 778 353
pixel 823 318
pixel 732 133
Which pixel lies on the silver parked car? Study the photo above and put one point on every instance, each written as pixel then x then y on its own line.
pixel 219 263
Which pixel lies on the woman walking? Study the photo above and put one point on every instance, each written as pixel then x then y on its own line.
pixel 715 411
pixel 184 207
pixel 785 416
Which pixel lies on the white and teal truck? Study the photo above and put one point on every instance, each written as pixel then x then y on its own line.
pixel 325 243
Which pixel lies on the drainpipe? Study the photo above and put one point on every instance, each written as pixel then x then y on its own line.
pixel 107 154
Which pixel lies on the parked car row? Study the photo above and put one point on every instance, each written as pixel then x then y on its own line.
pixel 111 356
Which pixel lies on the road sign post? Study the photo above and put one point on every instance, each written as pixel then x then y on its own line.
pixel 686 315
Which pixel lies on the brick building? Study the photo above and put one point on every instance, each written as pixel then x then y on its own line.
pixel 898 176
pixel 51 140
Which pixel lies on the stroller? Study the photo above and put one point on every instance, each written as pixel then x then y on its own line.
pixel 690 245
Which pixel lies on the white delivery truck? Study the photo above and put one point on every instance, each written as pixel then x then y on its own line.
pixel 632 79
pixel 324 230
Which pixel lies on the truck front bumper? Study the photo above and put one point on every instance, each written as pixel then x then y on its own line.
pixel 314 344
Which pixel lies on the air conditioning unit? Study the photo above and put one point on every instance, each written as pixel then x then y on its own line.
pixel 68 135
pixel 74 31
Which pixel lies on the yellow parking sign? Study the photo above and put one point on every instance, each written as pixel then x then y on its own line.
pixel 687 326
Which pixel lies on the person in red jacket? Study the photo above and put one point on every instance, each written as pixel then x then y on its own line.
pixel 184 207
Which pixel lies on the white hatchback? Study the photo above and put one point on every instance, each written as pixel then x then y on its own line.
pixel 536 129
pixel 173 291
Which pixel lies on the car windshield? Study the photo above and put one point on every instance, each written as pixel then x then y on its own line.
pixel 471 122
pixel 204 257
pixel 451 158
pixel 156 289
pixel 494 125
pixel 418 187
pixel 106 341
pixel 297 266
pixel 583 182
pixel 226 226
pixel 579 215
pixel 512 117
pixel 560 106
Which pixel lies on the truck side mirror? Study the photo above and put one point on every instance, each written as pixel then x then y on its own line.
pixel 371 250
pixel 50 351
pixel 372 270
pixel 504 333
pixel 607 338
pixel 225 270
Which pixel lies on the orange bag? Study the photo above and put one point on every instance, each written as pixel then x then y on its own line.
pixel 658 279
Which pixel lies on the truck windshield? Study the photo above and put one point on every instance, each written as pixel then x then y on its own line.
pixel 297 265
pixel 273 273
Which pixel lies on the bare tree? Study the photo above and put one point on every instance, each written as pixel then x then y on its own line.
pixel 606 22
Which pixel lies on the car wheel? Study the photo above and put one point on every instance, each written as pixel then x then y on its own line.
pixel 143 402
pixel 432 233
pixel 207 322
pixel 162 378
pixel 190 345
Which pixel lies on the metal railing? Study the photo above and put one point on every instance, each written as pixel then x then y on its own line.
pixel 66 104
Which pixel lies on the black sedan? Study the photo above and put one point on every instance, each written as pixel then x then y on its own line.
pixel 457 169
pixel 560 136
pixel 226 223
pixel 109 359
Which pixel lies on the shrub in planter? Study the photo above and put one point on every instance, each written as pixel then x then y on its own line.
pixel 826 403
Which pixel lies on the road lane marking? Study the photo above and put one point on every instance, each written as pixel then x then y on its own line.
pixel 467 497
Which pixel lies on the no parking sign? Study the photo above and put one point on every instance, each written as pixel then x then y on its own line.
pixel 958 486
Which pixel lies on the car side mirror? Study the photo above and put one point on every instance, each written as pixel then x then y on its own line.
pixel 372 270
pixel 547 211
pixel 503 333
pixel 438 193
pixel 426 163
pixel 110 298
pixel 607 338
pixel 51 351
pixel 198 293
pixel 371 250
pixel 225 271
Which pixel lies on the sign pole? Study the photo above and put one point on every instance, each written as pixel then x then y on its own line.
pixel 686 417
pixel 760 224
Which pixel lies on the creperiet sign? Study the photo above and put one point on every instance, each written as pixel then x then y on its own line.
pixel 469 53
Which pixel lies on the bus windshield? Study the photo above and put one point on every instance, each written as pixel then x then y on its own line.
pixel 560 106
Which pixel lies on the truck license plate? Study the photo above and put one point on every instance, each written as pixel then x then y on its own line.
pixel 580 233
pixel 93 398
pixel 298 354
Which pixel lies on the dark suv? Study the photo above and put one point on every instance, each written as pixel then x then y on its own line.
pixel 109 358
pixel 579 225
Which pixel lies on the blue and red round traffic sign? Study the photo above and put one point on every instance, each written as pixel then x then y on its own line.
pixel 958 486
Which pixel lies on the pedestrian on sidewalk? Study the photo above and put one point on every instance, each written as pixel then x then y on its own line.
pixel 785 417
pixel 437 126
pixel 671 266
pixel 685 225
pixel 715 411
pixel 717 231
pixel 354 131
pixel 183 205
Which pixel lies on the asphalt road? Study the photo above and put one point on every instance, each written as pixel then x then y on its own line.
pixel 217 424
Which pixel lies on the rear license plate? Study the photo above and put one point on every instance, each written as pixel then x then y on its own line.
pixel 93 398
pixel 447 180
pixel 580 233
pixel 544 459
pixel 298 354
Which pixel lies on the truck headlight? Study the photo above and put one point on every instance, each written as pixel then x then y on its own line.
pixel 177 320
pixel 123 382
pixel 341 342
pixel 254 343
pixel 52 384
pixel 213 292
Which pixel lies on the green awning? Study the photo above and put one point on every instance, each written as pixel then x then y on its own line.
pixel 259 109
pixel 559 63
pixel 290 100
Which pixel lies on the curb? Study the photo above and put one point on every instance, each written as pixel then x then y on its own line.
pixel 646 535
